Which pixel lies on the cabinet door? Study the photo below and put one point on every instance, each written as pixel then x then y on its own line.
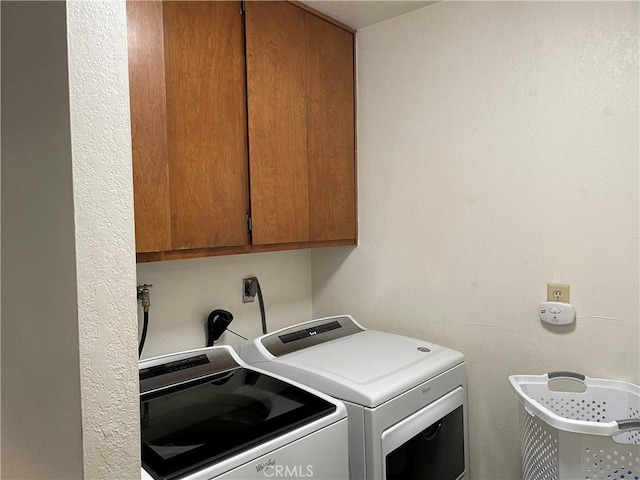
pixel 206 123
pixel 276 82
pixel 148 126
pixel 331 131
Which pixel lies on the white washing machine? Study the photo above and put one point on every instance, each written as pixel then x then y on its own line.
pixel 406 398
pixel 205 414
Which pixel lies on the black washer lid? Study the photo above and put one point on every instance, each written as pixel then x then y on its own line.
pixel 191 424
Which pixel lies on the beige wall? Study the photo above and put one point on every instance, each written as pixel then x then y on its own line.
pixel 185 292
pixel 69 375
pixel 498 151
pixel 41 414
pixel 104 236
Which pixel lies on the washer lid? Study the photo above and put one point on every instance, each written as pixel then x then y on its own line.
pixel 188 425
pixel 367 368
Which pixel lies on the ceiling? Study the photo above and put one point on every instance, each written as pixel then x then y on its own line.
pixel 362 13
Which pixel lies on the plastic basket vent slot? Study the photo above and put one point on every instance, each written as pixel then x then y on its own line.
pixel 539 449
pixel 634 435
pixel 577 409
pixel 611 465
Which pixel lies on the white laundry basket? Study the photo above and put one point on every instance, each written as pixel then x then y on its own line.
pixel 568 435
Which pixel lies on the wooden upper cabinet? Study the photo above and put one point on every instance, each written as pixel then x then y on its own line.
pixel 148 126
pixel 206 123
pixel 276 85
pixel 300 78
pixel 331 131
pixel 235 115
pixel 189 124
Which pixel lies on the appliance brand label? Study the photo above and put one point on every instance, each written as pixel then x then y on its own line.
pixel 426 389
pixel 269 463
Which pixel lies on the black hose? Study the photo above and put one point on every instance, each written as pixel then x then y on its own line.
pixel 145 325
pixel 263 315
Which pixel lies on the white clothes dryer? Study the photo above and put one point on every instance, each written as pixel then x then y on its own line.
pixel 406 398
pixel 205 414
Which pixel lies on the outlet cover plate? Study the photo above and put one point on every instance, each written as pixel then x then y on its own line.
pixel 558 292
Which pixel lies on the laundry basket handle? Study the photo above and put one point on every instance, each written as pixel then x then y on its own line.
pixel 563 374
pixel 630 424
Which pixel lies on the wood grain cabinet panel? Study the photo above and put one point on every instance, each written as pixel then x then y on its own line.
pixel 276 86
pixel 206 123
pixel 300 77
pixel 148 126
pixel 331 131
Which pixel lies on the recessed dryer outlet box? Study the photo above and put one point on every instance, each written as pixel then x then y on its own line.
pixel 247 294
pixel 558 292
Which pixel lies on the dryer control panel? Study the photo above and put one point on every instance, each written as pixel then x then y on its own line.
pixel 308 334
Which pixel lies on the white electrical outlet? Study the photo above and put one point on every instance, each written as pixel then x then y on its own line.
pixel 558 292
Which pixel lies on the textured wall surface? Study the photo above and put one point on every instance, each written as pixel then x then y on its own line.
pixel 498 151
pixel 103 193
pixel 185 292
pixel 41 414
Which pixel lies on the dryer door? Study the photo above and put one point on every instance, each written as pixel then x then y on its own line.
pixel 429 443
